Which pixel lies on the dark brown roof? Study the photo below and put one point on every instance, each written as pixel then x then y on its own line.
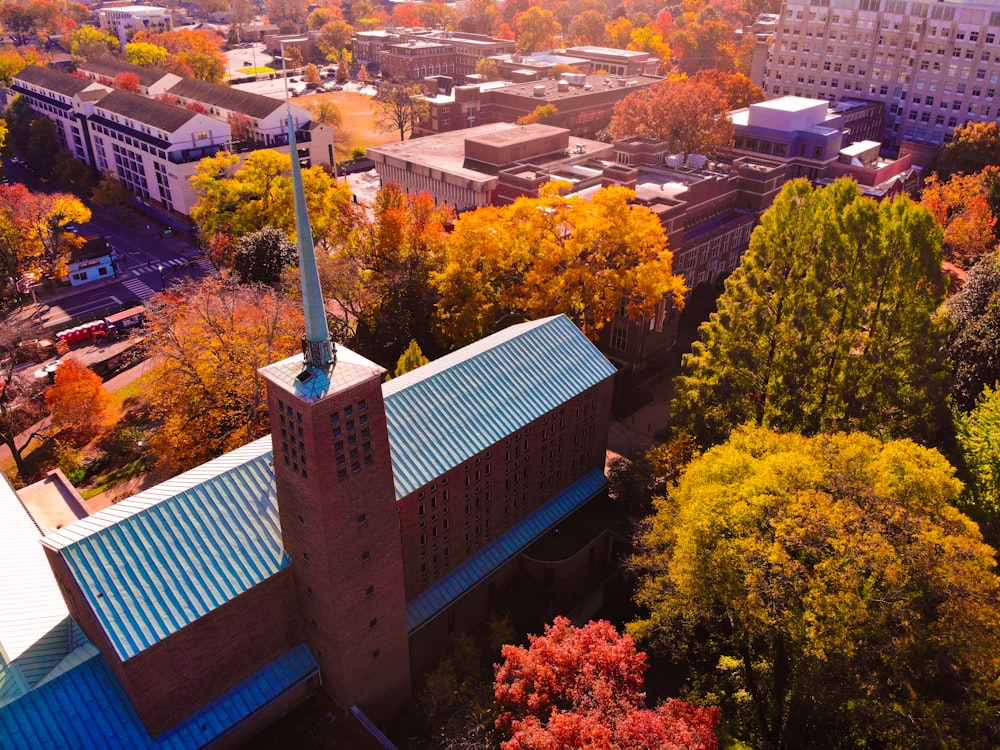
pixel 53 80
pixel 234 100
pixel 160 115
pixel 111 67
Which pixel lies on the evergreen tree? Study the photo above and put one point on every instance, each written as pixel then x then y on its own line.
pixel 830 323
pixel 411 359
pixel 974 343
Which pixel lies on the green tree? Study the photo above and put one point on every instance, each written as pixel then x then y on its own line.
pixel 978 435
pixel 208 340
pixel 974 342
pixel 411 359
pixel 830 323
pixel 42 146
pixel 554 254
pixel 72 174
pixel 399 108
pixel 973 146
pixel 261 257
pixel 828 592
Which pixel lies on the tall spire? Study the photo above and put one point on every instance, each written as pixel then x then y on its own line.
pixel 318 349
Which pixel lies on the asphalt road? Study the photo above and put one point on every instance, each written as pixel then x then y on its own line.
pixel 149 261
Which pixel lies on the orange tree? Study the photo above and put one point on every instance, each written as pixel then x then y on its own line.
pixel 961 205
pixel 78 401
pixel 691 115
pixel 207 342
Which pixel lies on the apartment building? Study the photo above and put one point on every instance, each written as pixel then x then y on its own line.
pixel 933 65
pixel 153 143
pixel 125 21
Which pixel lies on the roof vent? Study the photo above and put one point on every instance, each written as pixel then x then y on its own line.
pixel 538 90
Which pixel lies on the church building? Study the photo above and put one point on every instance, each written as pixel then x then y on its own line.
pixel 342 552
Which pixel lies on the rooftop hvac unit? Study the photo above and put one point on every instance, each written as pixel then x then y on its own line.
pixel 697 161
pixel 562 86
pixel 538 90
pixel 622 82
pixel 675 161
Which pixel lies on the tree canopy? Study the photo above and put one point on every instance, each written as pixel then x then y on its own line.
pixel 234 201
pixel 977 433
pixel 380 275
pixel 831 322
pixel 961 205
pixel 690 115
pixel 974 342
pixel 207 341
pixel 973 146
pixel 582 687
pixel 78 401
pixel 261 257
pixel 830 591
pixel 554 254
pixel 399 108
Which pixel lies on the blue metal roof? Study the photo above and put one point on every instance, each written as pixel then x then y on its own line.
pixel 477 568
pixel 159 561
pixel 85 709
pixel 444 413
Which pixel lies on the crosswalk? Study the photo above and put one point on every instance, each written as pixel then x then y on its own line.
pixel 131 279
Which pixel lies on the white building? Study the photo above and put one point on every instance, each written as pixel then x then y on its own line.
pixel 125 21
pixel 153 145
pixel 935 65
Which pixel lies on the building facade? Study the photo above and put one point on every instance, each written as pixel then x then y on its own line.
pixel 933 65
pixel 153 143
pixel 127 20
pixel 412 54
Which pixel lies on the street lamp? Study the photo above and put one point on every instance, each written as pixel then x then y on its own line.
pixel 163 284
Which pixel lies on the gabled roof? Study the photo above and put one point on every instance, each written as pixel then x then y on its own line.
pixel 84 707
pixel 160 560
pixel 53 80
pixel 481 565
pixel 111 67
pixel 156 114
pixel 444 413
pixel 226 97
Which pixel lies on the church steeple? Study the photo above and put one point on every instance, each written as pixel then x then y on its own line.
pixel 318 350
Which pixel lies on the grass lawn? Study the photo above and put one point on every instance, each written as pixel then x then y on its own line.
pixel 258 71
pixel 358 129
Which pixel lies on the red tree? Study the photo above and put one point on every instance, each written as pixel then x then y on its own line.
pixel 127 82
pixel 582 687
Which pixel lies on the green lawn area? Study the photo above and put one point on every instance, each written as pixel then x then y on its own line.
pixel 258 71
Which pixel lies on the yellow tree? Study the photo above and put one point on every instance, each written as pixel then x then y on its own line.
pixel 207 342
pixel 961 206
pixel 145 54
pixel 78 401
pixel 232 202
pixel 554 254
pixel 834 595
pixel 536 29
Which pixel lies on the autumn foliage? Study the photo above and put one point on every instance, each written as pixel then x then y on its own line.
pixel 582 688
pixel 78 401
pixel 961 206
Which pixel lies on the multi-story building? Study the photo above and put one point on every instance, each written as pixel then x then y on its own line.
pixel 376 521
pixel 934 65
pixel 412 54
pixel 153 145
pixel 583 103
pixel 125 21
pixel 465 168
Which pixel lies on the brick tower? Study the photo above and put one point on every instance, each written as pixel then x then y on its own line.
pixel 336 500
